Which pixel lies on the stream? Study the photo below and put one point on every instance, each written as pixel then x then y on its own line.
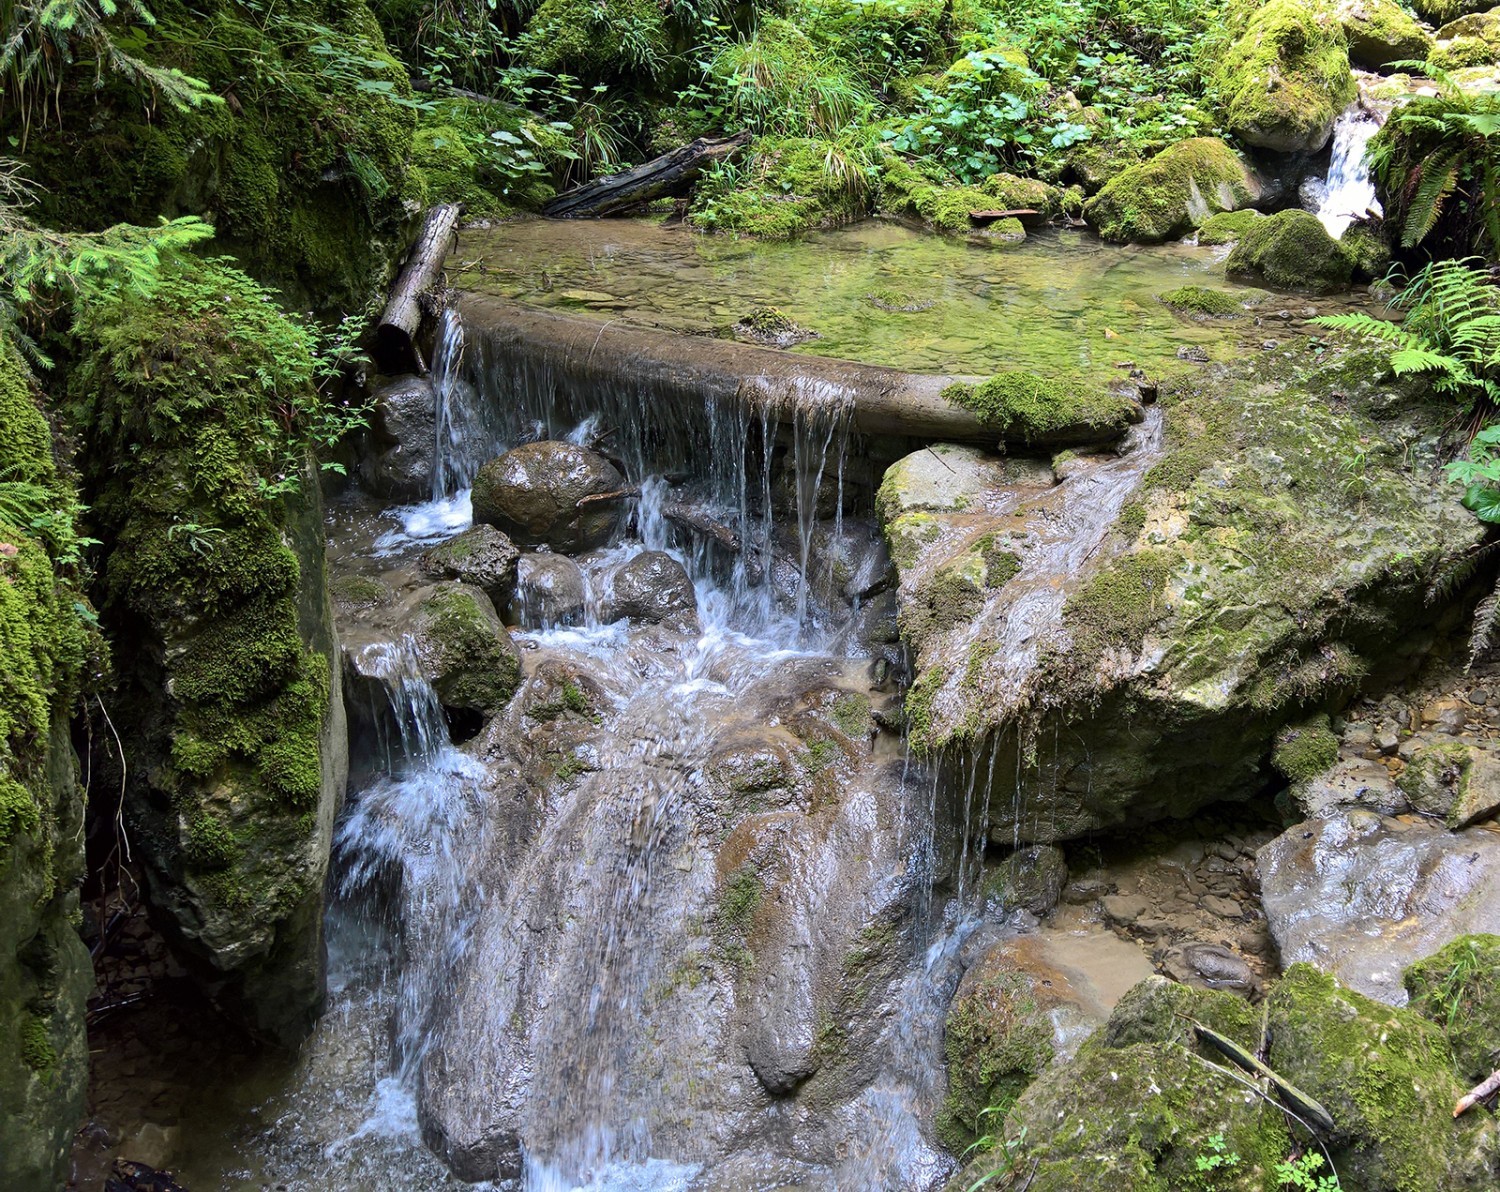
pixel 684 917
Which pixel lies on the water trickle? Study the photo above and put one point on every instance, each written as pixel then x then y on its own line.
pixel 1348 191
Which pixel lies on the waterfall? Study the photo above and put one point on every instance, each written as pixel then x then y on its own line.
pixel 1348 192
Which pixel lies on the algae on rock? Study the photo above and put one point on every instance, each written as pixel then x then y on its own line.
pixel 1291 250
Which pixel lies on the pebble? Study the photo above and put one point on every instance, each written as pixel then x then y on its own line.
pixel 1387 740
pixel 1479 697
pixel 1269 345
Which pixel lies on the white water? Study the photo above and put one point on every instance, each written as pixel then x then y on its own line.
pixel 1348 191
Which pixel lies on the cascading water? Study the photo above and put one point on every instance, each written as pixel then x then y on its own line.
pixel 1348 192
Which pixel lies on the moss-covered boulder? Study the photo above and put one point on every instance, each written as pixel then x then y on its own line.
pixel 1178 189
pixel 1202 302
pixel 923 193
pixel 481 556
pixel 1463 53
pixel 1228 226
pixel 1367 243
pixel 1026 408
pixel 1381 31
pixel 1386 1077
pixel 787 186
pixel 466 653
pixel 1440 12
pixel 1458 989
pixel 1286 78
pixel 1291 250
pixel 1455 781
pixel 45 656
pixel 1030 879
pixel 1014 193
pixel 585 39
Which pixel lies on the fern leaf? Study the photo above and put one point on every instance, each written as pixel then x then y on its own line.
pixel 1484 625
pixel 1457 573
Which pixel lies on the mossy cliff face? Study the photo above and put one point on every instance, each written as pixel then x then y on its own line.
pixel 1284 81
pixel 303 168
pixel 1178 189
pixel 214 592
pixel 1237 590
pixel 45 975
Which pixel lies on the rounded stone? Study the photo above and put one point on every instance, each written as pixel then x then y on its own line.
pixel 651 586
pixel 481 556
pixel 549 592
pixel 532 493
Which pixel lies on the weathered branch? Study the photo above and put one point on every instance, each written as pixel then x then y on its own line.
pixel 619 494
pixel 395 348
pixel 670 174
pixel 1482 1091
pixel 1299 1102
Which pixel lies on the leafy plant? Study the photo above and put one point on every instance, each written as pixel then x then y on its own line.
pixel 1004 1151
pixel 1215 1158
pixel 1304 1174
pixel 1437 164
pixel 779 82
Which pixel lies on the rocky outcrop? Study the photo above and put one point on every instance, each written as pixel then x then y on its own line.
pixel 1124 644
pixel 1169 195
pixel 1362 895
pixel 1286 78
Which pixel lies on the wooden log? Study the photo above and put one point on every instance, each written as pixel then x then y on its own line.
pixel 670 174
pixel 1024 214
pixel 395 350
pixel 1292 1097
pixel 1482 1091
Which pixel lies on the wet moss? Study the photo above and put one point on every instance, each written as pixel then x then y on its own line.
pixel 1179 188
pixel 1033 409
pixel 1202 301
pixel 925 193
pixel 1119 606
pixel 1228 226
pixel 1013 193
pixel 1458 988
pixel 851 712
pixel 789 185
pixel 1367 245
pixel 1382 31
pixel 1303 751
pixel 1291 250
pixel 36 1049
pixel 473 663
pixel 1462 52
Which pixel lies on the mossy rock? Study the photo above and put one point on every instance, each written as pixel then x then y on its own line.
pixel 482 556
pixel 1458 988
pixel 1367 243
pixel 1014 193
pixel 1031 409
pixel 1202 302
pixel 1178 189
pixel 1464 52
pixel 1380 32
pixel 1286 78
pixel 787 187
pixel 1291 250
pixel 1030 879
pixel 1303 751
pixel 1228 226
pixel 1440 12
pixel 465 650
pixel 1387 1078
pixel 923 193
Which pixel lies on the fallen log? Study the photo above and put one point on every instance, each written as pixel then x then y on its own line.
pixel 691 371
pixel 395 349
pixel 670 174
pixel 1029 216
pixel 1482 1091
pixel 1304 1106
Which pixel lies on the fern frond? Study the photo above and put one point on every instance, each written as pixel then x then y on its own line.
pixel 1457 573
pixel 1437 180
pixel 1484 625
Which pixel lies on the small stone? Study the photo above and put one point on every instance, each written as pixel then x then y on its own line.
pixel 1193 353
pixel 1269 345
pixel 1225 908
pixel 1479 697
pixel 1125 908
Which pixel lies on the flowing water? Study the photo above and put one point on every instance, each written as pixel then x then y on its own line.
pixel 1348 192
pixel 668 922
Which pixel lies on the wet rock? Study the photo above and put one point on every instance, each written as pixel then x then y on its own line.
pixel 549 592
pixel 1124 909
pixel 1386 1077
pixel 1381 31
pixel 1030 880
pixel 481 556
pixel 1355 783
pixel 1362 896
pixel 1454 781
pixel 532 493
pixel 1208 966
pixel 1224 908
pixel 465 651
pixel 398 464
pixel 1080 893
pixel 651 586
pixel 1458 988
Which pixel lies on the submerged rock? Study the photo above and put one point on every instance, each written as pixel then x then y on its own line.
pixel 532 493
pixel 651 586
pixel 1362 896
pixel 1174 192
pixel 481 556
pixel 1291 250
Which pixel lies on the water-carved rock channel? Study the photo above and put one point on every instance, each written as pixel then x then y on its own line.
pixel 638 884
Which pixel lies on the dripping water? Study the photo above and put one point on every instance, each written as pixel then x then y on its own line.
pixel 1348 192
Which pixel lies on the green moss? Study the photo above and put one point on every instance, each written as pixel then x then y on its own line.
pixel 1032 409
pixel 475 666
pixel 788 186
pixel 1173 192
pixel 1458 988
pixel 924 192
pixel 1366 243
pixel 465 152
pixel 1291 250
pixel 358 591
pixel 738 902
pixel 1382 31
pixel 1228 226
pixel 1013 193
pixel 1462 52
pixel 1132 519
pixel 1303 751
pixel 1120 605
pixel 1200 300
pixel 1439 12
pixel 1285 80
pixel 594 38
pixel 918 707
pixel 1000 567
pixel 210 843
pixel 37 1052
pixel 851 712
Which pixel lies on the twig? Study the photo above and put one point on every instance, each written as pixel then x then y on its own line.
pixel 1482 1091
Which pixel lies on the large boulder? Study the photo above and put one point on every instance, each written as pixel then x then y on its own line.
pixel 1286 78
pixel 466 653
pixel 1174 192
pixel 1158 616
pixel 1381 31
pixel 1362 896
pixel 1291 250
pixel 481 556
pixel 532 493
